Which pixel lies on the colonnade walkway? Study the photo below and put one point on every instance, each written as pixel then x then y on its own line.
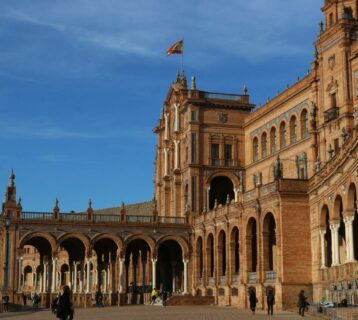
pixel 158 313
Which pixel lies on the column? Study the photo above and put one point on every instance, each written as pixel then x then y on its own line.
pixel 108 277
pixel 348 223
pixel 185 276
pixel 45 276
pixel 121 268
pixel 176 122
pixel 166 167
pixel 335 246
pixel 166 128
pixel 154 272
pixel 208 199
pixel 19 278
pixel 35 285
pixel 173 263
pixel 88 270
pixel 236 191
pixel 323 249
pixel 74 277
pixel 53 284
pixel 176 154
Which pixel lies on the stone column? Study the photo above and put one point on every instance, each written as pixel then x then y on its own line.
pixel 75 277
pixel 166 162
pixel 335 246
pixel 173 263
pixel 88 270
pixel 108 277
pixel 185 276
pixel 53 284
pixel 176 155
pixel 177 119
pixel 166 128
pixel 19 278
pixel 208 199
pixel 236 191
pixel 348 223
pixel 121 268
pixel 154 273
pixel 323 249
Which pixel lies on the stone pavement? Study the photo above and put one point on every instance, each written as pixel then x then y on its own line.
pixel 156 313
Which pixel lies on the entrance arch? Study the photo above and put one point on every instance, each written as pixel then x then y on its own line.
pixel 327 238
pixel 251 245
pixel 235 251
pixel 170 267
pixel 269 243
pixel 221 187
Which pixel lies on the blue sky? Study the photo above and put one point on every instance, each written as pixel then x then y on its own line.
pixel 82 83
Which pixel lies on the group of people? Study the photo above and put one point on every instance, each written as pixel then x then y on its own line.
pixel 270 300
pixel 155 294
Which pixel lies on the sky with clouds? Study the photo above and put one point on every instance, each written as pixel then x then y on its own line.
pixel 82 83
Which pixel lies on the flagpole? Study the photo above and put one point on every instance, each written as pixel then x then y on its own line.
pixel 182 59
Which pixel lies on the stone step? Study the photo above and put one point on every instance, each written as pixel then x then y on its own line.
pixel 189 300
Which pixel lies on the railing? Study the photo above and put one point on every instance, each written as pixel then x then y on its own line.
pixel 139 219
pixel 331 114
pixel 106 218
pixel 250 195
pixel 252 277
pixel 211 281
pixel 268 188
pixel 271 275
pixel 73 216
pixel 235 278
pixel 215 162
pixel 222 279
pixel 175 220
pixel 222 96
pixel 200 281
pixel 36 215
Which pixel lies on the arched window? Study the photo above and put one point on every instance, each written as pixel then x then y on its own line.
pixel 273 139
pixel 293 129
pixel 282 135
pixel 304 124
pixel 263 145
pixel 255 149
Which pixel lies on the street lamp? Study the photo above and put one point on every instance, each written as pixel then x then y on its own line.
pixel 7 244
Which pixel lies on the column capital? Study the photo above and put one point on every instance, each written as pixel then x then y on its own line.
pixel 334 226
pixel 185 261
pixel 154 260
pixel 322 232
pixel 348 219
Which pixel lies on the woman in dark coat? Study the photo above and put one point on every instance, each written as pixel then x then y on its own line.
pixel 301 303
pixel 270 302
pixel 253 301
pixel 64 309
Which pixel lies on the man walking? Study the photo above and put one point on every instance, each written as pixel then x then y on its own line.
pixel 301 303
pixel 270 302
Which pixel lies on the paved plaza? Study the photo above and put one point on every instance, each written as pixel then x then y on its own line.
pixel 157 313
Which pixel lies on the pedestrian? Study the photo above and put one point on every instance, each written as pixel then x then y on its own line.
pixel 5 302
pixel 24 298
pixel 253 301
pixel 154 295
pixel 64 307
pixel 301 303
pixel 165 297
pixel 270 302
pixel 99 299
pixel 35 301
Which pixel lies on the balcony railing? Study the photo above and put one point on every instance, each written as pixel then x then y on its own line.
pixel 252 277
pixel 200 281
pixel 271 275
pixel 139 219
pixel 211 281
pixel 331 114
pixel 36 215
pixel 222 279
pixel 235 278
pixel 106 218
pixel 174 220
pixel 74 216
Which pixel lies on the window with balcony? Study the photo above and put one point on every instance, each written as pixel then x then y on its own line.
pixel 228 155
pixel 215 154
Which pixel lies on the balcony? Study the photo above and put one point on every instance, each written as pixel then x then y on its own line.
pixel 200 281
pixel 270 276
pixel 331 114
pixel 252 276
pixel 235 278
pixel 211 281
pixel 222 280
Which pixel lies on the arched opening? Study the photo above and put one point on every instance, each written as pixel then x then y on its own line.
pixel 222 253
pixel 264 145
pixel 251 245
pixel 138 267
pixel 199 257
pixel 273 140
pixel 28 278
pixel 65 275
pixel 255 149
pixel 282 134
pixel 269 243
pixel 352 205
pixel 293 129
pixel 170 267
pixel 338 208
pixel 304 123
pixel 106 252
pixel 38 278
pixel 210 255
pixel 235 251
pixel 221 188
pixel 327 238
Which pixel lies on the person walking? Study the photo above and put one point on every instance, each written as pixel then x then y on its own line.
pixel 154 295
pixel 270 299
pixel 165 297
pixel 5 302
pixel 64 308
pixel 253 301
pixel 301 303
pixel 24 299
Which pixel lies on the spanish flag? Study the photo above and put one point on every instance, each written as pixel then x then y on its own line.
pixel 176 48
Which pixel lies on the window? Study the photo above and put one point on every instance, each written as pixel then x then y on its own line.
pixel 263 145
pixel 283 135
pixel 193 193
pixel 356 82
pixel 228 154
pixel 293 130
pixel 334 100
pixel 273 139
pixel 193 148
pixel 193 116
pixel 255 149
pixel 336 146
pixel 304 124
pixel 215 158
pixel 330 19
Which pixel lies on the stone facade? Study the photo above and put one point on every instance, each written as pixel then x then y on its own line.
pixel 245 199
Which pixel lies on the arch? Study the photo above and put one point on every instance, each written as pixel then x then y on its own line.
pixel 255 149
pixel 304 123
pixel 117 240
pixel 221 190
pixel 283 134
pixel 293 129
pixel 210 258
pixel 199 257
pixel 28 277
pixel 235 250
pixel 325 225
pixel 222 253
pixel 85 241
pixel 338 207
pixel 77 246
pixel 150 242
pixel 263 145
pixel 269 242
pixel 351 196
pixel 182 243
pixel 251 244
pixel 29 239
pixel 273 140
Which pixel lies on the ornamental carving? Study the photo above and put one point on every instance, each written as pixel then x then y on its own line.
pixel 223 117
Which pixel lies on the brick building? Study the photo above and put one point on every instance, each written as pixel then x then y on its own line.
pixel 244 198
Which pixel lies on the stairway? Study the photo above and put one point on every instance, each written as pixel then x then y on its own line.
pixel 188 300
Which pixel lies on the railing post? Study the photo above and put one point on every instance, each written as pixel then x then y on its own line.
pixel 123 213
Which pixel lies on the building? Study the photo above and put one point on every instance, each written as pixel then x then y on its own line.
pixel 245 199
